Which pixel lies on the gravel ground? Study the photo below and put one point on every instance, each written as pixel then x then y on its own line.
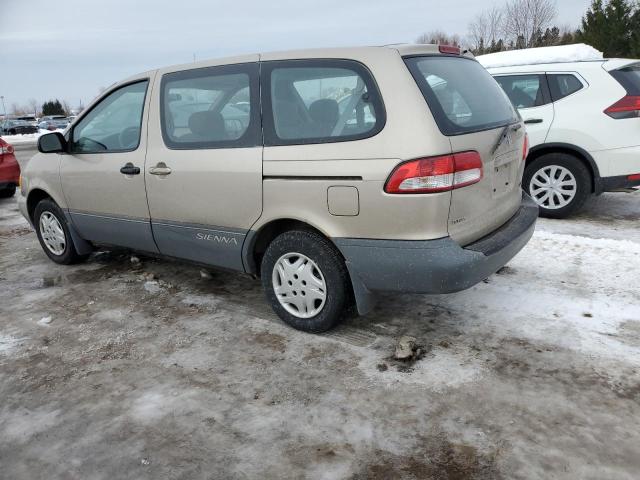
pixel 115 370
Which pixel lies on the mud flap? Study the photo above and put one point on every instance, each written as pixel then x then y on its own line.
pixel 81 245
pixel 365 300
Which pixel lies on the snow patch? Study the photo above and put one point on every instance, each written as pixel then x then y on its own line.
pixel 533 56
pixel 8 343
pixel 23 138
pixel 22 424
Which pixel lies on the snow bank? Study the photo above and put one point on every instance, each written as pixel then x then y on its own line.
pixel 24 138
pixel 531 56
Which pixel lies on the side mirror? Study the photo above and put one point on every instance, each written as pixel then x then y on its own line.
pixel 52 143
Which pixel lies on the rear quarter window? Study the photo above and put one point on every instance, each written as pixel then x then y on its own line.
pixel 461 94
pixel 563 85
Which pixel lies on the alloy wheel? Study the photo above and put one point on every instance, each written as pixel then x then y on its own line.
pixel 553 187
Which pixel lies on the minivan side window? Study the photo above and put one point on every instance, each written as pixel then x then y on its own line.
pixel 525 91
pixel 114 124
pixel 319 101
pixel 563 85
pixel 212 107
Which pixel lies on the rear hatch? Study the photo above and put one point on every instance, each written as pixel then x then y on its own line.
pixel 475 114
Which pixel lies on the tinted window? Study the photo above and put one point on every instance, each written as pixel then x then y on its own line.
pixel 629 78
pixel 524 91
pixel 317 101
pixel 461 94
pixel 212 107
pixel 113 125
pixel 562 85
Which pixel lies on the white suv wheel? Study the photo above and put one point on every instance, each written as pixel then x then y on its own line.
pixel 553 187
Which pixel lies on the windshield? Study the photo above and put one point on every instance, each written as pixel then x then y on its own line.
pixel 461 94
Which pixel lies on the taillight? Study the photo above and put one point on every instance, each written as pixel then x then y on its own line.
pixel 525 148
pixel 449 49
pixel 634 177
pixel 5 148
pixel 627 107
pixel 436 174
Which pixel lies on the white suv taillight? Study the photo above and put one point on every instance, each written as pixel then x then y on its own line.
pixel 436 174
pixel 627 107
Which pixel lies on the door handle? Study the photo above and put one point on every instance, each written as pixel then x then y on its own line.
pixel 130 169
pixel 529 121
pixel 160 169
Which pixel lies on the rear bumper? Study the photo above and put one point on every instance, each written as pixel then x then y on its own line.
pixel 9 172
pixel 620 182
pixel 435 266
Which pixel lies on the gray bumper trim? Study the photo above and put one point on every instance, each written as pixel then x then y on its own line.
pixel 435 266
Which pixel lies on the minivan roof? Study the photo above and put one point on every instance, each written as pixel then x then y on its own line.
pixel 334 52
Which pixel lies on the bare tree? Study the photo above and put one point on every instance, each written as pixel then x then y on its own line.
pixel 32 105
pixel 16 109
pixel 486 27
pixel 439 37
pixel 66 107
pixel 524 18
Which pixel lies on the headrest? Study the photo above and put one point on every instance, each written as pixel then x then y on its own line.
pixel 207 124
pixel 324 111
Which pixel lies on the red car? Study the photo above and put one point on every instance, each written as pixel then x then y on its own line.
pixel 9 170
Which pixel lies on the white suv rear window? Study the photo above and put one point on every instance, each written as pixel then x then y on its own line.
pixel 461 94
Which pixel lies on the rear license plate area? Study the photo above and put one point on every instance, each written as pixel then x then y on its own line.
pixel 504 174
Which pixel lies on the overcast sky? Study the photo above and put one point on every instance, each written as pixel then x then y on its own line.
pixel 69 49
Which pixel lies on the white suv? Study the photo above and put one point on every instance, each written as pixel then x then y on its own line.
pixel 583 121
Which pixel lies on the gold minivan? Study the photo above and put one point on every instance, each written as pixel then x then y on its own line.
pixel 332 174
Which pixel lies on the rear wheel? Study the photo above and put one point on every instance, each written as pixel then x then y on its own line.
pixel 53 233
pixel 559 183
pixel 8 192
pixel 306 281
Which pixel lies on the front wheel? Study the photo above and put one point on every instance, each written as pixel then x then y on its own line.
pixel 53 234
pixel 306 281
pixel 559 183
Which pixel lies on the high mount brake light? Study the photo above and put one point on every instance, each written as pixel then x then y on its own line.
pixel 449 49
pixel 436 174
pixel 626 107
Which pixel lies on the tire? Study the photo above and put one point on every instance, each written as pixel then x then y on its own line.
pixel 67 254
pixel 561 199
pixel 322 261
pixel 8 192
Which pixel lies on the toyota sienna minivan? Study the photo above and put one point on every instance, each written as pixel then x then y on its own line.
pixel 331 174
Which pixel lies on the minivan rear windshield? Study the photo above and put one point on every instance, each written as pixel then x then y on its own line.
pixel 629 78
pixel 461 94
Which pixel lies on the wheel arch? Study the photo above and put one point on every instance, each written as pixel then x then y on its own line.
pixel 36 196
pixel 258 240
pixel 579 153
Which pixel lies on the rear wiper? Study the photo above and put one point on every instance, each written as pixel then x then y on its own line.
pixel 505 134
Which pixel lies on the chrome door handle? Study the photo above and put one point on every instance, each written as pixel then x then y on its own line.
pixel 160 169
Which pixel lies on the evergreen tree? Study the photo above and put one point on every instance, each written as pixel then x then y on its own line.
pixel 608 28
pixel 53 108
pixel 635 33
